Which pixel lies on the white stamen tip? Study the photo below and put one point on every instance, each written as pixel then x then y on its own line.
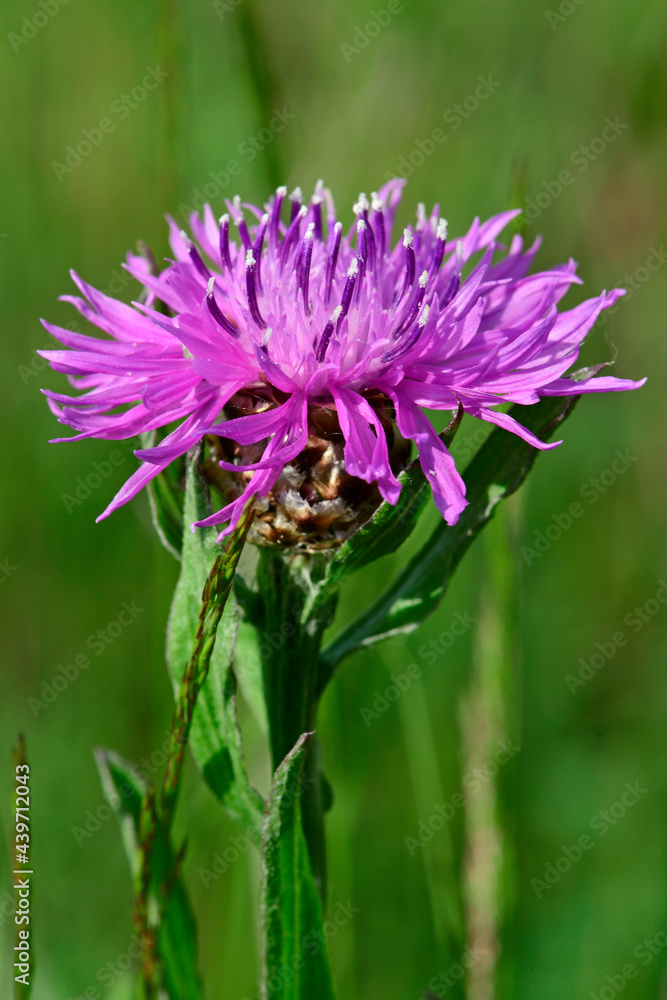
pixel 424 315
pixel 249 259
pixel 353 269
pixel 441 231
pixel 376 204
pixel 303 212
pixel 423 279
pixel 186 239
pixel 297 194
pixel 335 314
pixel 282 191
pixel 210 286
pixel 310 231
pixel 266 337
pixel 360 225
pixel 407 238
pixel 224 219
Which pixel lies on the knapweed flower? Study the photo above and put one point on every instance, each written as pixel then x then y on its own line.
pixel 308 356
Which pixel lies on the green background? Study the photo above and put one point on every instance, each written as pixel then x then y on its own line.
pixel 357 112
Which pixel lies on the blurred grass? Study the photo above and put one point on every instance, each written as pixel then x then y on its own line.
pixel 354 120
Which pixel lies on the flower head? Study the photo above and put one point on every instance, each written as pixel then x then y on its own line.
pixel 260 341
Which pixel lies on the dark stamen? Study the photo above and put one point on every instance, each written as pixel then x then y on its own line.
pixel 296 198
pixel 378 220
pixel 408 342
pixel 251 290
pixel 274 231
pixel 215 312
pixel 362 255
pixel 439 251
pixel 348 291
pixel 410 263
pixel 290 235
pixel 327 334
pixel 225 256
pixel 258 247
pixel 415 305
pixel 331 263
pixel 316 209
pixel 195 256
pixel 305 255
pixel 452 289
pixel 240 223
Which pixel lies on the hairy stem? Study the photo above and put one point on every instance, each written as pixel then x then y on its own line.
pixel 290 649
pixel 157 810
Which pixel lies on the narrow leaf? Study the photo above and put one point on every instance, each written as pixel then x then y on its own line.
pixel 497 470
pixel 215 739
pixel 178 944
pixel 165 496
pixel 295 963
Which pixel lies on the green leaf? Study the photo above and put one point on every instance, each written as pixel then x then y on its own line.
pixel 215 738
pixel 166 513
pixel 165 496
pixel 497 470
pixel 248 668
pixel 295 963
pixel 387 529
pixel 177 941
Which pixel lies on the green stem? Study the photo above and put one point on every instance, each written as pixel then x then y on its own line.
pixel 157 810
pixel 289 650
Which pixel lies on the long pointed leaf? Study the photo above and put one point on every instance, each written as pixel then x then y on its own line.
pixel 215 739
pixel 498 469
pixel 295 963
pixel 178 945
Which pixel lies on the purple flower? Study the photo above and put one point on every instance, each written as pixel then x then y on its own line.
pixel 300 318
